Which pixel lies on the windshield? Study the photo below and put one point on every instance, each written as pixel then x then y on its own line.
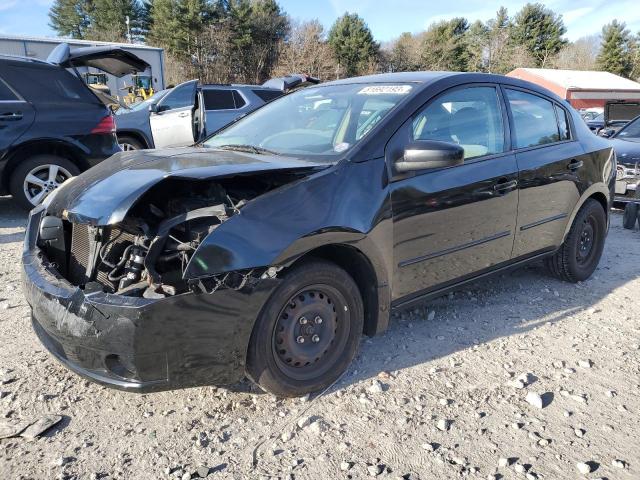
pixel 631 131
pixel 320 121
pixel 145 104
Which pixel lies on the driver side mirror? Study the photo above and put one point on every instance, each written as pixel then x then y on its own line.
pixel 153 108
pixel 428 154
pixel 606 132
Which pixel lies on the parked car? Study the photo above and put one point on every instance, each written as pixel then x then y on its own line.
pixel 272 246
pixel 172 118
pixel 626 144
pixel 616 115
pixel 52 125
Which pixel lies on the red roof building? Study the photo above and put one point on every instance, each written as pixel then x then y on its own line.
pixel 583 89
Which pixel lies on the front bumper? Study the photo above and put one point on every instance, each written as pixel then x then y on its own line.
pixel 135 343
pixel 627 182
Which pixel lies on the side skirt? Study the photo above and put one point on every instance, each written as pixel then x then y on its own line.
pixel 419 297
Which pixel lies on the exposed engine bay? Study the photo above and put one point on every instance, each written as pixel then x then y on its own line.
pixel 146 254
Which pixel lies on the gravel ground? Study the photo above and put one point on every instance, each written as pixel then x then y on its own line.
pixel 451 389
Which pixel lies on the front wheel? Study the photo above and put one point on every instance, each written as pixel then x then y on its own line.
pixel 580 253
pixel 308 332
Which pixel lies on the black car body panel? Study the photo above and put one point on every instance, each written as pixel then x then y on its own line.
pixel 104 195
pixel 402 236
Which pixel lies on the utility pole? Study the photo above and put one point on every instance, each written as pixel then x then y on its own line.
pixel 128 29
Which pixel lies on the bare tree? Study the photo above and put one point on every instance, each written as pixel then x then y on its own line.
pixel 579 55
pixel 306 51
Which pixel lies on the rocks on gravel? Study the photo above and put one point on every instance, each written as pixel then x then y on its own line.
pixel 584 468
pixel 619 463
pixel 443 424
pixel 376 387
pixel 534 399
pixel 586 363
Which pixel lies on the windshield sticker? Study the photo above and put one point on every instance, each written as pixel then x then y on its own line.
pixel 341 147
pixel 385 89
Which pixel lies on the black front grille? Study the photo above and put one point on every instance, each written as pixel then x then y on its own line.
pixel 79 255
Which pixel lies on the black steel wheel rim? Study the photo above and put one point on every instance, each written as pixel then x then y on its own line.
pixel 587 241
pixel 310 332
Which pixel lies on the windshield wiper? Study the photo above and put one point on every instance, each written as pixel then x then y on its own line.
pixel 248 149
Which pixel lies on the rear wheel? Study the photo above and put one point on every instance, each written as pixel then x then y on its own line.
pixel 36 177
pixel 129 143
pixel 308 332
pixel 630 216
pixel 580 253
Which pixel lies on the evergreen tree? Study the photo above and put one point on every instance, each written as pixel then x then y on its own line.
pixel 70 18
pixel 403 56
pixel 108 20
pixel 352 44
pixel 540 31
pixel 615 54
pixel 445 46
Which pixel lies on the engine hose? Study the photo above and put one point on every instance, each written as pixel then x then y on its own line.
pixel 119 265
pixel 162 233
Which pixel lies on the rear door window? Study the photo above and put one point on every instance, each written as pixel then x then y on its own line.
pixel 218 99
pixel 46 84
pixel 534 119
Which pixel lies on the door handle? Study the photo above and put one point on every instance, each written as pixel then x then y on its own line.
pixel 504 186
pixel 183 114
pixel 575 164
pixel 10 116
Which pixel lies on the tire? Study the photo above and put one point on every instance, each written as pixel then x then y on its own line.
pixel 131 143
pixel 27 193
pixel 580 253
pixel 630 216
pixel 277 360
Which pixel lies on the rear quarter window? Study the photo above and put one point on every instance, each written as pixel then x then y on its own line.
pixel 267 95
pixel 47 85
pixel 534 119
pixel 6 94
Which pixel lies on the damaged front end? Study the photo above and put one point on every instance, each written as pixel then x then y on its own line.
pixel 115 303
pixel 147 254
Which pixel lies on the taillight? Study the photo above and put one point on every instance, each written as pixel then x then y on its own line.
pixel 106 125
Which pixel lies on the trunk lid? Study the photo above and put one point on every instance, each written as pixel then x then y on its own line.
pixel 111 59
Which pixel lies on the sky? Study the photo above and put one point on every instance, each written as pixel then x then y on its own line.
pixel 386 19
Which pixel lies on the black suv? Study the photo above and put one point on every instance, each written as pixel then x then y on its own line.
pixel 52 126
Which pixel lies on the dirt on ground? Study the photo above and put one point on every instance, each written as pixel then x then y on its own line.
pixel 517 377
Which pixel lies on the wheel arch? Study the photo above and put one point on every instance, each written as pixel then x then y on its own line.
pixel 135 134
pixel 42 147
pixel 597 192
pixel 373 289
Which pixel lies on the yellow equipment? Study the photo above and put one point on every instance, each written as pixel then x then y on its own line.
pixel 140 89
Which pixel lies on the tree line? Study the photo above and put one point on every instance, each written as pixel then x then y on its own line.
pixel 251 40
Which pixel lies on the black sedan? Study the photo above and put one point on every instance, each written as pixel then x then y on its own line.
pixel 271 247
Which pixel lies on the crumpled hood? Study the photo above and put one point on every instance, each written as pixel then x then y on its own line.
pixel 627 152
pixel 105 193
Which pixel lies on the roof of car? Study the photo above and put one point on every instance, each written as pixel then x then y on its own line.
pixel 18 58
pixel 396 77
